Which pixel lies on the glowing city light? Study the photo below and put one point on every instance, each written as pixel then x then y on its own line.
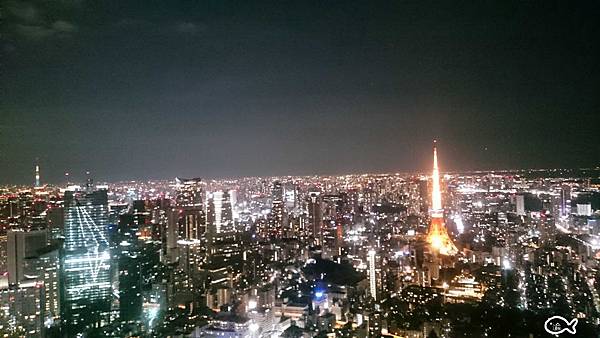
pixel 437 236
pixel 460 227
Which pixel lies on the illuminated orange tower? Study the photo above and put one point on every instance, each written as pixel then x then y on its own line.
pixel 438 237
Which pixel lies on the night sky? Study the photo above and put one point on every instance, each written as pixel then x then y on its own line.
pixel 158 89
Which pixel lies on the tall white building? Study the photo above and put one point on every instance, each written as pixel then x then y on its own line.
pixel 520 202
pixel 219 214
pixel 372 274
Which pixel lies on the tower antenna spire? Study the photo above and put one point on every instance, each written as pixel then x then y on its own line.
pixel 37 173
pixel 436 194
pixel 438 237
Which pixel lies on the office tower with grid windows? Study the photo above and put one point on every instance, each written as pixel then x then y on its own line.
pixel 86 264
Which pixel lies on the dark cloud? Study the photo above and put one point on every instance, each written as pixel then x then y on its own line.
pixel 189 27
pixel 23 11
pixel 62 26
pixel 131 22
pixel 32 22
pixel 33 31
pixel 57 28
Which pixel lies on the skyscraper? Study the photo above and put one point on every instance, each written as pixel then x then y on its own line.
pixel 219 214
pixel 520 204
pixel 172 234
pixel 189 192
pixel 565 200
pixel 44 268
pixel 22 309
pixel 277 208
pixel 315 217
pixel 130 279
pixel 438 237
pixel 372 274
pixel 86 264
pixel 21 245
pixel 190 203
pixel 186 221
pixel 32 261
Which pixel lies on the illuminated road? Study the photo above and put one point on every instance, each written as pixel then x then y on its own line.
pixel 594 293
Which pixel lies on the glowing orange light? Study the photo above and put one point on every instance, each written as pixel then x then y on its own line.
pixel 438 237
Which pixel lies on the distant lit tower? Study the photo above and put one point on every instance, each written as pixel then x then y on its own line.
pixel 86 262
pixel 438 237
pixel 37 175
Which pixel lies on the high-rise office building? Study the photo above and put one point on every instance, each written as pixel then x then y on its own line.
pixel 277 212
pixel 190 203
pixel 189 192
pixel 219 214
pixel 371 258
pixel 3 251
pixel 22 309
pixel 25 211
pixel 20 246
pixel 315 217
pixel 565 200
pixel 43 268
pixel 86 263
pixel 55 220
pixel 32 259
pixel 290 196
pixel 423 188
pixel 172 235
pixel 520 205
pixel 547 229
pixel 191 223
pixel 130 279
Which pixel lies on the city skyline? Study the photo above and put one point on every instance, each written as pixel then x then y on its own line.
pixel 245 89
pixel 310 169
pixel 373 255
pixel 80 178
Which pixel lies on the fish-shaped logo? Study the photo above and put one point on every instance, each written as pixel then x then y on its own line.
pixel 556 325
